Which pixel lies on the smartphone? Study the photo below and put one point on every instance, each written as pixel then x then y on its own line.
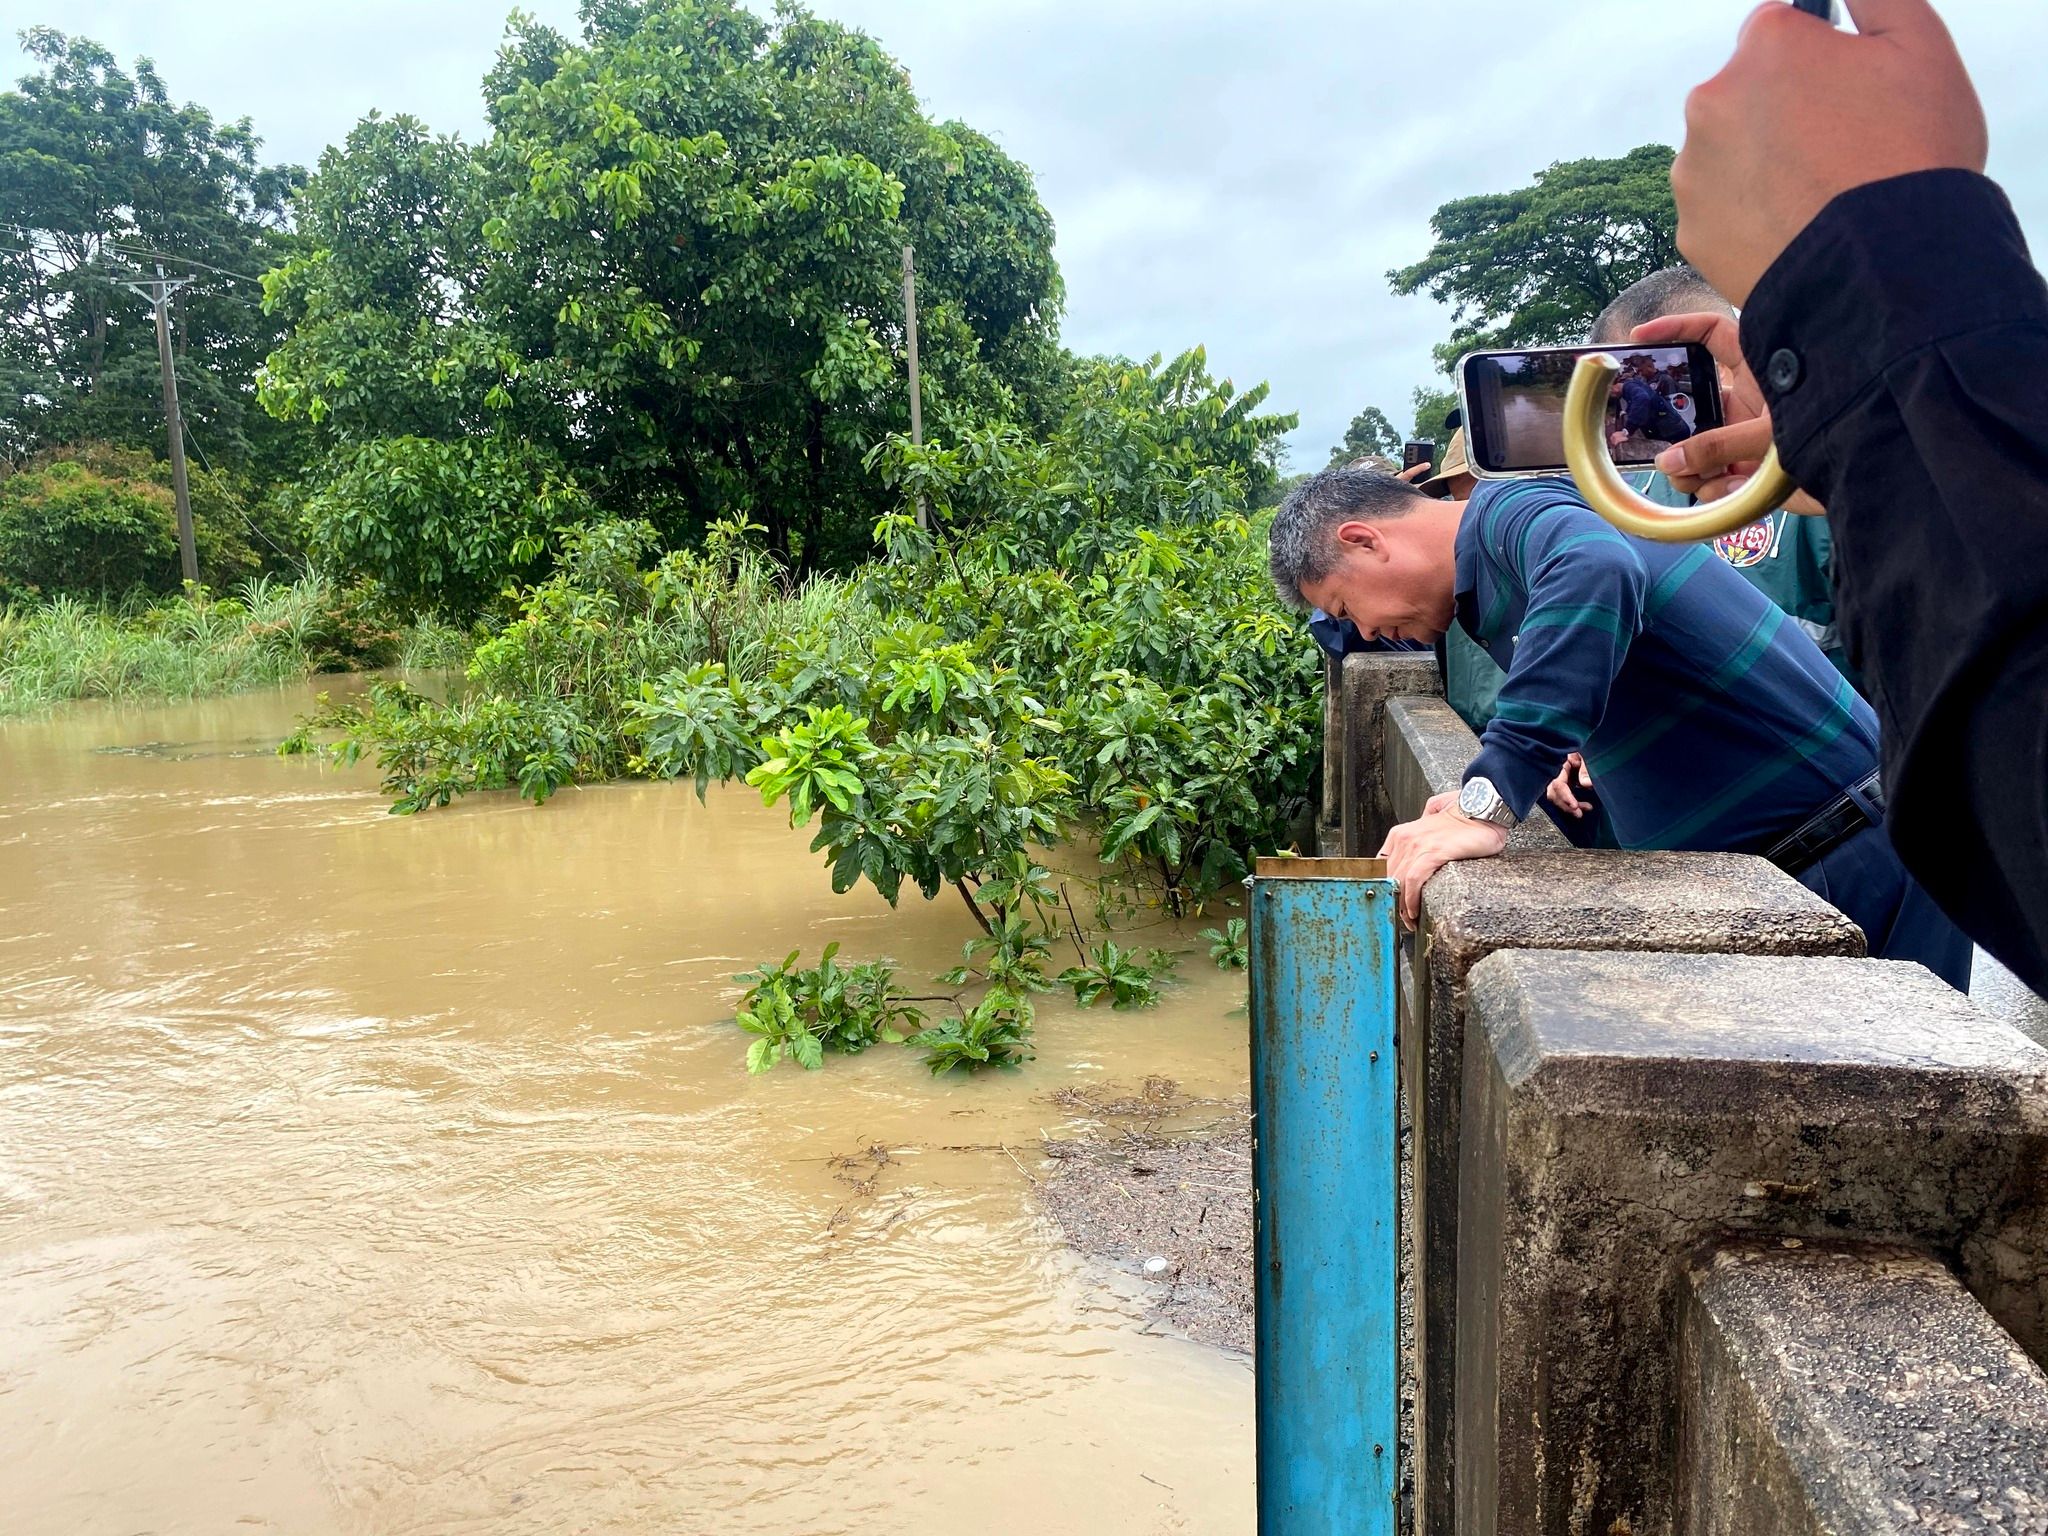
pixel 1514 405
pixel 1416 453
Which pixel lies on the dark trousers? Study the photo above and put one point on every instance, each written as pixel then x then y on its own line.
pixel 1864 878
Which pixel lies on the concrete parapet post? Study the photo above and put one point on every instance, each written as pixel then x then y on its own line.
pixel 1622 1111
pixel 1323 966
pixel 1546 900
pixel 1369 680
pixel 1831 1391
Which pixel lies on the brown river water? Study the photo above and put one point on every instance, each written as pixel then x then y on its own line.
pixel 372 1174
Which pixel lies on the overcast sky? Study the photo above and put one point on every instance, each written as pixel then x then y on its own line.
pixel 1220 173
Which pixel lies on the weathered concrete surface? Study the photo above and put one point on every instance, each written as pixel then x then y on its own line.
pixel 1370 680
pixel 2003 995
pixel 1622 1110
pixel 1833 1390
pixel 1427 747
pixel 1557 900
pixel 1330 808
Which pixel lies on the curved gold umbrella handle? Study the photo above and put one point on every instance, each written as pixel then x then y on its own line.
pixel 1592 466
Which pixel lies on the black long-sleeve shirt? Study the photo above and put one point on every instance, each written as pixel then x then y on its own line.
pixel 1902 341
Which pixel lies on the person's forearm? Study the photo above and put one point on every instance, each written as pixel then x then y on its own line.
pixel 1555 694
pixel 1902 341
pixel 1884 271
pixel 1585 590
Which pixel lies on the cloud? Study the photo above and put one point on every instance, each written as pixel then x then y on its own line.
pixel 1236 176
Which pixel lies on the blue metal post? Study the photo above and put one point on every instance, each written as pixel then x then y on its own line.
pixel 1323 955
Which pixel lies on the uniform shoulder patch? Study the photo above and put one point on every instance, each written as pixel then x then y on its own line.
pixel 1752 545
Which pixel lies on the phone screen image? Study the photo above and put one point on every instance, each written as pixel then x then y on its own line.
pixel 1514 404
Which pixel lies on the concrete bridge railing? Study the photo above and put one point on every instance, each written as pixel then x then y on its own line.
pixel 1716 1225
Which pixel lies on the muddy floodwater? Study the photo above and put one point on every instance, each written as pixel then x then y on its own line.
pixel 371 1174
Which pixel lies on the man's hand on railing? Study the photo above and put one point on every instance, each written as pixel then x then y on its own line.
pixel 1417 849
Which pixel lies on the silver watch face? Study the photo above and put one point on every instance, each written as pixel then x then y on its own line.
pixel 1477 799
pixel 1480 801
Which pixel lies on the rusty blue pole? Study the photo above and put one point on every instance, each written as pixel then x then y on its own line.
pixel 1323 953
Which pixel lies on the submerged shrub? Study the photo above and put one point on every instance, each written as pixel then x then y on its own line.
pixel 799 1013
pixel 995 1032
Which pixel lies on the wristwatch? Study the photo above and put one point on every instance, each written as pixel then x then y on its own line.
pixel 1480 801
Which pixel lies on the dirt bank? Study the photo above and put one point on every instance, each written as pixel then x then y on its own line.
pixel 1153 1176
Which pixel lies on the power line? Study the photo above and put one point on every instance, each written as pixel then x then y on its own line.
pixel 109 243
pixel 117 274
pixel 189 261
pixel 233 500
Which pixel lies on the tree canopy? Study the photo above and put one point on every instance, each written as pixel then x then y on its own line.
pixel 104 176
pixel 1433 408
pixel 1369 432
pixel 1533 266
pixel 673 272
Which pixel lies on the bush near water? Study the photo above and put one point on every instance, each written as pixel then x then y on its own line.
pixel 1081 639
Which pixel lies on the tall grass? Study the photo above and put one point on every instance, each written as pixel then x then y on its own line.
pixel 268 632
pixel 553 696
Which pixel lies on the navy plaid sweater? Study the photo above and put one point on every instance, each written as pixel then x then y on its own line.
pixel 1709 720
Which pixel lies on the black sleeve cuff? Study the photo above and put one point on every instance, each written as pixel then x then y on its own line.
pixel 1883 271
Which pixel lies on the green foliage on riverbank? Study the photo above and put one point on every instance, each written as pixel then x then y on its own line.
pixel 624 386
pixel 1084 636
pixel 1082 645
pixel 93 521
pixel 268 632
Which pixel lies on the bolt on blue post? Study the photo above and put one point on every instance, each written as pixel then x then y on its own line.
pixel 1323 957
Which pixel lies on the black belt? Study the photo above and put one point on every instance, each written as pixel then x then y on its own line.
pixel 1829 827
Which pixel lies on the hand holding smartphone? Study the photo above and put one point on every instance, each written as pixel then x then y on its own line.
pixel 1514 405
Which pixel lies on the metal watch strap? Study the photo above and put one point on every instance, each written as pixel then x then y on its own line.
pixel 1495 812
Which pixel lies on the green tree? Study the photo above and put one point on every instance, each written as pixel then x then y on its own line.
pixel 675 265
pixel 1532 267
pixel 1151 444
pixel 102 171
pixel 1433 408
pixel 1369 432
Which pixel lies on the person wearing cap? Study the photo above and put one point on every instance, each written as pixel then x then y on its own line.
pixel 1709 721
pixel 1453 476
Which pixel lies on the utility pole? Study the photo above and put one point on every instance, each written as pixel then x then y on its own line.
pixel 159 292
pixel 910 346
